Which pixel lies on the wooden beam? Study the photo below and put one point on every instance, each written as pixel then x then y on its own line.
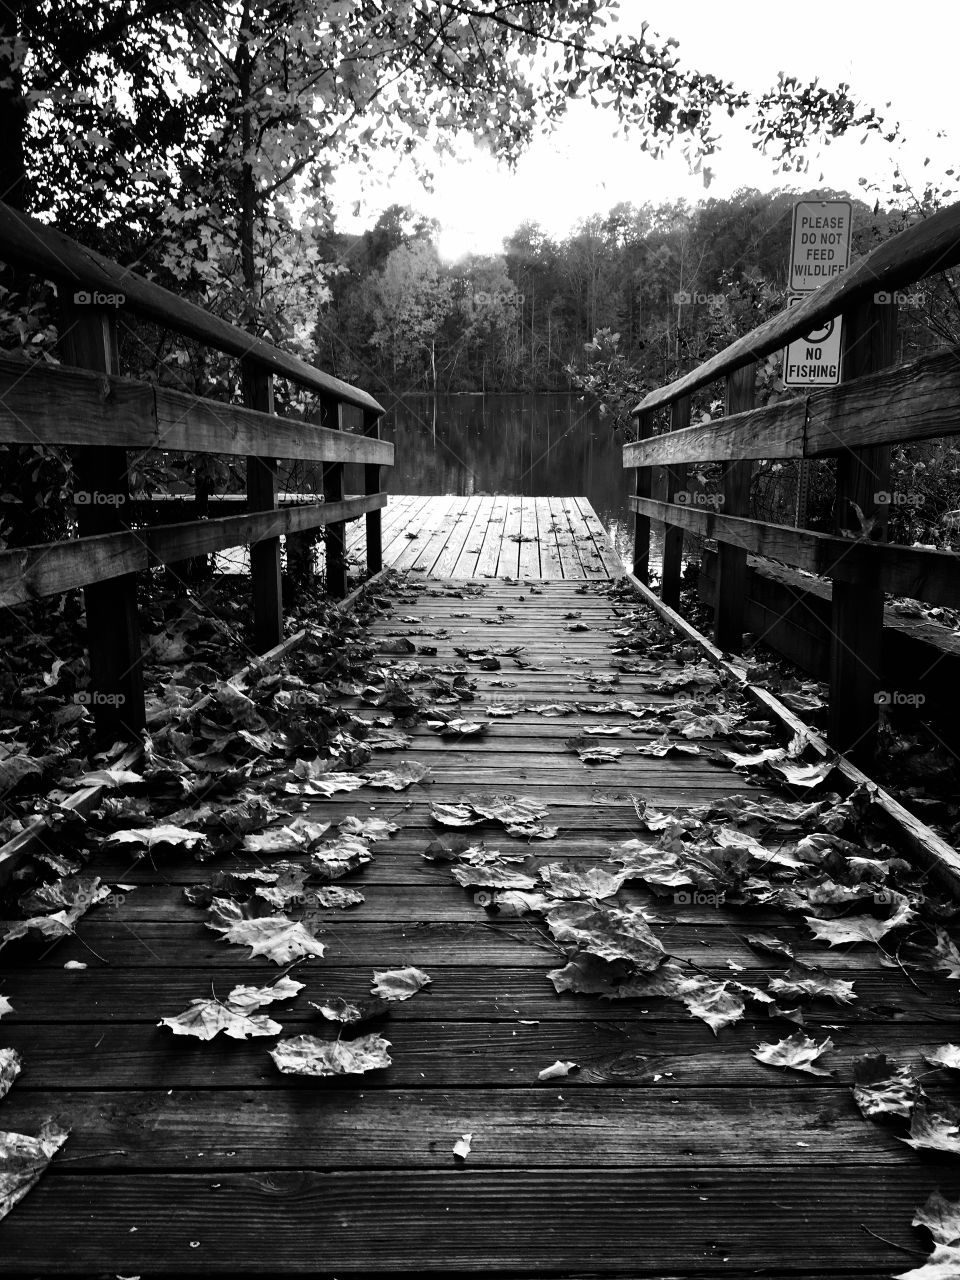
pixel 336 543
pixel 904 571
pixel 641 523
pixel 915 401
pixel 929 246
pixel 37 247
pixel 73 407
pixel 676 479
pixel 730 599
pixel 371 484
pixel 88 339
pixel 856 624
pixel 265 580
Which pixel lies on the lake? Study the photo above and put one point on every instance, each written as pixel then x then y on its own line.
pixel 534 445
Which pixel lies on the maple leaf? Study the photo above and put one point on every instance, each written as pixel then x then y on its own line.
pixel 250 998
pixel 943 1264
pixel 458 728
pixel 931 1131
pixel 406 773
pixel 311 1056
pixel 398 984
pixel 10 1065
pixel 288 885
pixel 367 828
pixel 335 858
pixel 107 778
pixel 941 1217
pixel 163 833
pixel 492 875
pixel 351 1012
pixel 587 974
pixel 709 999
pixel 568 881
pixel 557 1069
pixel 797 1051
pixel 656 867
pixel 515 902
pixel 299 834
pixel 5 1006
pixel 324 784
pixel 773 946
pixel 23 1159
pixel 607 932
pixel 455 815
pixel 279 939
pixel 207 1018
pixel 859 928
pixel 599 755
pixel 333 896
pixel 881 1088
pixel 666 746
pixel 57 925
pixel 948 1055
pixel 814 982
pixel 945 955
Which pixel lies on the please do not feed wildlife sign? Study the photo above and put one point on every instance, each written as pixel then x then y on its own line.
pixel 819 250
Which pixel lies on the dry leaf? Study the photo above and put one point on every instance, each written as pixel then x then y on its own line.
pixel 943 1264
pixel 279 939
pixel 351 1012
pixel 335 896
pixel 23 1159
pixel 461 1148
pixel 797 1051
pixel 941 1217
pixel 881 1088
pixel 948 1055
pixel 163 833
pixel 311 1056
pixel 10 1065
pixel 250 998
pixel 558 1069
pixel 931 1131
pixel 398 984
pixel 608 932
pixel 207 1018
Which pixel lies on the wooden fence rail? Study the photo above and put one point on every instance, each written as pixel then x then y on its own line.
pixel 84 404
pixel 854 423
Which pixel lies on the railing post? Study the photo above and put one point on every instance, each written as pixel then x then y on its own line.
pixel 88 340
pixel 371 484
pixel 731 589
pixel 869 344
pixel 676 479
pixel 336 562
pixel 257 386
pixel 641 523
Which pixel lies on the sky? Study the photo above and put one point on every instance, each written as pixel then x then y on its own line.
pixel 900 53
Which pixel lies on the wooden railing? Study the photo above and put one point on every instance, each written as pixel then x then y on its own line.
pixel 83 404
pixel 854 423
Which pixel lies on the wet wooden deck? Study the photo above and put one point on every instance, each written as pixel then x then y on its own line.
pixel 489 537
pixel 670 1154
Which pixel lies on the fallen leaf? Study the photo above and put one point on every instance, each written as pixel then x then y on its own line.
pixel 160 834
pixel 943 1264
pixel 279 939
pixel 311 1056
pixel 5 1006
pixel 398 984
pixel 814 982
pixel 107 778
pixel 10 1065
pixel 607 932
pixel 351 1012
pixel 461 1148
pixel 941 1217
pixel 797 1051
pixel 250 998
pixel 882 1088
pixel 558 1069
pixel 596 881
pixel 404 775
pixel 931 1131
pixel 367 828
pixel 335 896
pixel 23 1159
pixel 948 1055
pixel 207 1018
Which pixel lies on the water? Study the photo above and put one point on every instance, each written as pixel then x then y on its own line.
pixel 534 445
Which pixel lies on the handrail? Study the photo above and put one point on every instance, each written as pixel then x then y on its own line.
pixel 877 404
pixel 27 243
pixel 929 246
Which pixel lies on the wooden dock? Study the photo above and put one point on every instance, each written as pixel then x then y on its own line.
pixel 492 537
pixel 669 1152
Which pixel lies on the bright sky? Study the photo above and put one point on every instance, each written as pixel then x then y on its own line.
pixel 900 53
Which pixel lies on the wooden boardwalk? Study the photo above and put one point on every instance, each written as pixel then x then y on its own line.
pixel 671 1153
pixel 490 537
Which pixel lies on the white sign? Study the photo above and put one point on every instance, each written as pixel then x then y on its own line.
pixel 820 248
pixel 814 359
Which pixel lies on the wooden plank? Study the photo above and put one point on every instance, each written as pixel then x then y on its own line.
pixel 551 566
pixel 856 618
pixel 529 560
pixel 465 566
pixel 29 572
pixel 641 523
pixel 371 484
pixel 489 558
pixel 931 245
pixel 729 601
pixel 446 517
pixel 676 482
pixel 68 406
pixel 617 1055
pixel 915 401
pixel 522 1128
pixel 609 560
pixel 508 564
pixel 445 564
pixel 38 247
pixel 684 1219
pixel 567 548
pixel 901 571
pixel 419 531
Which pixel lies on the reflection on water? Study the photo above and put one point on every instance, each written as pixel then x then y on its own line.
pixel 535 445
